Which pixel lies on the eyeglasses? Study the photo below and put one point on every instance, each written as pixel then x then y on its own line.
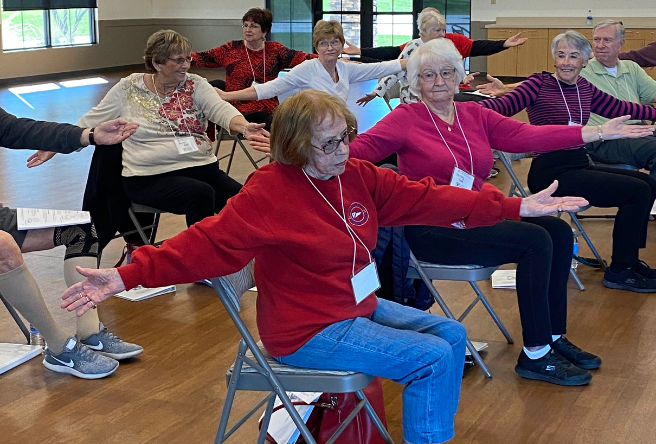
pixel 431 76
pixel 332 145
pixel 325 44
pixel 181 60
pixel 251 26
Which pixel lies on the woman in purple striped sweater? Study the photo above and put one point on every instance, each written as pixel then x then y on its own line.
pixel 565 98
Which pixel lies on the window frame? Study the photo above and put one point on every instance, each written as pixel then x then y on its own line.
pixel 47 30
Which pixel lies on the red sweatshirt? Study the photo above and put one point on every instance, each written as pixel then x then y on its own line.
pixel 303 254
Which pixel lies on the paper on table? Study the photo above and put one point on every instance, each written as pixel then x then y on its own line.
pixel 140 293
pixel 504 279
pixel 34 218
pixel 282 428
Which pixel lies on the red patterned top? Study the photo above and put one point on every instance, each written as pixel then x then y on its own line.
pixel 234 57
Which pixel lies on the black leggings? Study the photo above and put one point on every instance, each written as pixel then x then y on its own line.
pixel 541 247
pixel 632 192
pixel 196 192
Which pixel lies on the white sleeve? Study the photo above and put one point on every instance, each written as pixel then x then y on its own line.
pixel 359 72
pixel 216 109
pixel 299 77
pixel 109 108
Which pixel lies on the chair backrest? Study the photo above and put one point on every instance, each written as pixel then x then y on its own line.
pixel 232 287
pixel 517 188
pixel 393 93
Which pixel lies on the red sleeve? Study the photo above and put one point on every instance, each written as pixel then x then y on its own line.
pixel 462 43
pixel 215 246
pixel 383 139
pixel 401 201
pixel 403 46
pixel 513 136
pixel 213 58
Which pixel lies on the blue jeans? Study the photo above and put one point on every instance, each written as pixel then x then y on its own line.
pixel 424 351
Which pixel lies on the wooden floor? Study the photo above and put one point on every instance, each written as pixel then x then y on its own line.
pixel 174 391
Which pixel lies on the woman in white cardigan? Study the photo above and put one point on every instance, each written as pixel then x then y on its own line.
pixel 326 73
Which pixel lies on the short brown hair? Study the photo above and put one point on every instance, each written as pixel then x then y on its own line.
pixel 161 45
pixel 295 119
pixel 324 29
pixel 262 17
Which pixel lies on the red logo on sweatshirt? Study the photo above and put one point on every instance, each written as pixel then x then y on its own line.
pixel 357 214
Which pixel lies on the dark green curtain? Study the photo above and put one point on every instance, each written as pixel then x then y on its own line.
pixel 26 5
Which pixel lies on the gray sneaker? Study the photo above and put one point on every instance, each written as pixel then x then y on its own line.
pixel 80 361
pixel 107 344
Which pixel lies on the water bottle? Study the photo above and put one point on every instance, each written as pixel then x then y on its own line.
pixel 575 263
pixel 589 18
pixel 36 338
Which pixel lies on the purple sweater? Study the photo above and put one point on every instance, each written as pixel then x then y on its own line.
pixel 410 132
pixel 544 103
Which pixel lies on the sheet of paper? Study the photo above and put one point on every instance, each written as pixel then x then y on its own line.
pixel 140 293
pixel 13 355
pixel 477 93
pixel 34 218
pixel 282 428
pixel 504 279
pixel 653 209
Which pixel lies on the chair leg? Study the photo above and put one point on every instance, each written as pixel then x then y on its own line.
pixel 374 417
pixel 137 225
pixel 16 319
pixel 232 156
pixel 346 421
pixel 265 421
pixel 478 359
pixel 153 230
pixel 587 240
pixel 572 272
pixel 494 315
pixel 230 396
pixel 247 154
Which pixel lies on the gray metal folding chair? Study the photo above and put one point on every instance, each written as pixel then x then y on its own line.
pixel 223 134
pixel 429 272
pixel 517 189
pixel 138 208
pixel 255 370
pixel 393 93
pixel 17 319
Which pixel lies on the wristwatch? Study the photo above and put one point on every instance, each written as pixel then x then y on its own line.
pixel 92 141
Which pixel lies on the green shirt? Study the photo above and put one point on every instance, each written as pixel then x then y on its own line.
pixel 631 84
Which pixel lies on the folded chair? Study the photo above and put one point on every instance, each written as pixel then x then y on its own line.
pixel 255 370
pixel 516 189
pixel 429 272
pixel 223 134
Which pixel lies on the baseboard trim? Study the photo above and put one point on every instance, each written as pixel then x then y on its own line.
pixel 71 74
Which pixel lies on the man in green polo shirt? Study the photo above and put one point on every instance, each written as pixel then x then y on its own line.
pixel 624 80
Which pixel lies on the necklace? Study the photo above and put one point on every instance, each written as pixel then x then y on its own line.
pixel 166 93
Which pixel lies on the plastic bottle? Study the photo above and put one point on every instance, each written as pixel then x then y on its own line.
pixel 36 338
pixel 575 263
pixel 589 18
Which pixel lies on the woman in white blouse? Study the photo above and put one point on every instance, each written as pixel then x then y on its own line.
pixel 326 73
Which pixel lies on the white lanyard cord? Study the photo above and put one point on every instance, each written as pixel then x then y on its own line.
pixel 626 88
pixel 263 63
pixel 162 104
pixel 471 160
pixel 565 100
pixel 349 230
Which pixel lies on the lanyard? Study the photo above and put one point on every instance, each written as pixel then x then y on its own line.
pixel 342 216
pixel 162 104
pixel 626 87
pixel 565 100
pixel 471 161
pixel 263 63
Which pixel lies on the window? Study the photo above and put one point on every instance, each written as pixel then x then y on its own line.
pixel 29 29
pixel 366 22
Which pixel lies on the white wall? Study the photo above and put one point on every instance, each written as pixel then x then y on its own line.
pixel 483 10
pixel 124 9
pixel 203 9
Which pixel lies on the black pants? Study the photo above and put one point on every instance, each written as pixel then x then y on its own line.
pixel 640 152
pixel 541 247
pixel 632 192
pixel 196 192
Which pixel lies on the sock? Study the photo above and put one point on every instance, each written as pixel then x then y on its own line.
pixel 554 338
pixel 617 267
pixel 20 289
pixel 538 353
pixel 87 324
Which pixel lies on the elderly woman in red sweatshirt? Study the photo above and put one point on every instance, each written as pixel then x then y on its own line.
pixel 316 305
pixel 452 143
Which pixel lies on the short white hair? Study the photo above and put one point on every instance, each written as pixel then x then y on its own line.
pixel 434 54
pixel 429 18
pixel 576 39
pixel 619 27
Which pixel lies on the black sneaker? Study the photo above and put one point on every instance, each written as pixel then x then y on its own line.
pixel 551 368
pixel 629 279
pixel 578 357
pixel 645 270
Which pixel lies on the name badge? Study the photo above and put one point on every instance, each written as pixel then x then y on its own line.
pixel 365 282
pixel 570 123
pixel 186 145
pixel 461 179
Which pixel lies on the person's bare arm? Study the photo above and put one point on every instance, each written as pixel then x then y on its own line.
pixel 496 87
